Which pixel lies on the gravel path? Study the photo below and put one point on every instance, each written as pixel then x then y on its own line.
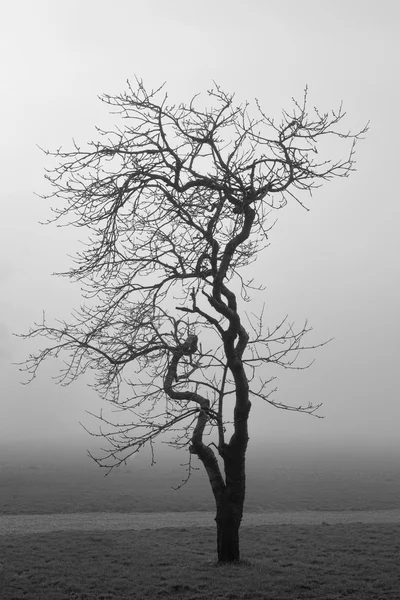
pixel 26 524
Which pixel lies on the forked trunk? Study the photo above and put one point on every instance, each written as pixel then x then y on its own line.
pixel 229 494
pixel 231 501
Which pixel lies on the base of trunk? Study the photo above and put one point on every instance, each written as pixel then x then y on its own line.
pixel 228 537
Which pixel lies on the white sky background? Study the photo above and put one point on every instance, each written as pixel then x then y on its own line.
pixel 337 265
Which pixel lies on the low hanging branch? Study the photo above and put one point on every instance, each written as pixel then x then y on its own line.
pixel 176 206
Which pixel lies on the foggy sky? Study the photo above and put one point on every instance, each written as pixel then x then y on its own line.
pixel 337 265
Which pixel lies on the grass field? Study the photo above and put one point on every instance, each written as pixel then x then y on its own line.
pixel 358 562
pixel 280 562
pixel 30 489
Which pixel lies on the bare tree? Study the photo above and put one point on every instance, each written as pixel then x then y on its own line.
pixel 175 204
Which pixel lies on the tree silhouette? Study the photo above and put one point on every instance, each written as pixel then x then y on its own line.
pixel 175 205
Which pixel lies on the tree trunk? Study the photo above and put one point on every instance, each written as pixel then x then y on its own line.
pixel 228 519
pixel 231 501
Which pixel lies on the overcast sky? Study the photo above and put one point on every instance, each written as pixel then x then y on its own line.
pixel 337 265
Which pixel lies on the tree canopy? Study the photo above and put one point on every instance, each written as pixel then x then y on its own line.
pixel 175 204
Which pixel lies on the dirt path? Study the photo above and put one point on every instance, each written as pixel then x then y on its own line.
pixel 26 524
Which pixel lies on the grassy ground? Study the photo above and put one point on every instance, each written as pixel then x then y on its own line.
pixel 61 490
pixel 358 562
